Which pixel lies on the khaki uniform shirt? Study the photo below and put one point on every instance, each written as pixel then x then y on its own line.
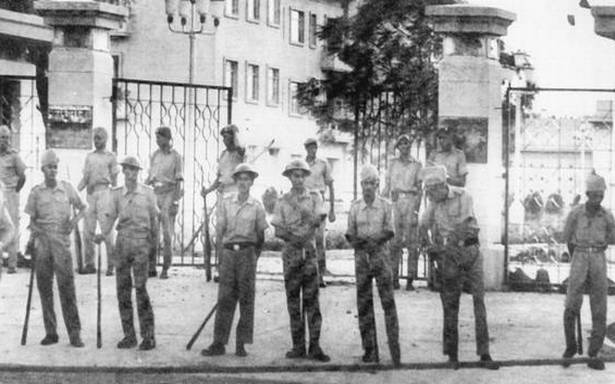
pixel 240 222
pixel 165 169
pixel 296 212
pixel 320 176
pixel 11 166
pixel 402 176
pixel 370 220
pixel 444 217
pixel 584 230
pixel 50 208
pixel 136 212
pixel 229 160
pixel 100 168
pixel 454 161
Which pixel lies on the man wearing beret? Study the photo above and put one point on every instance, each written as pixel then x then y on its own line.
pixel 370 227
pixel 297 216
pixel 449 226
pixel 242 223
pixel 402 185
pixel 135 209
pixel 165 176
pixel 589 229
pixel 453 159
pixel 319 179
pixel 50 206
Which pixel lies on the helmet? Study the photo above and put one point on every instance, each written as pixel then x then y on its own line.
pixel 49 157
pixel 310 141
pixel 402 137
pixel 245 168
pixel 164 132
pixel 296 164
pixel 229 130
pixel 595 183
pixel 369 172
pixel 434 175
pixel 131 161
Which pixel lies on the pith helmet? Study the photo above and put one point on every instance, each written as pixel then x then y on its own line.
pixel 369 172
pixel 402 137
pixel 434 175
pixel 49 158
pixel 131 161
pixel 164 132
pixel 595 183
pixel 310 141
pixel 229 129
pixel 245 168
pixel 296 164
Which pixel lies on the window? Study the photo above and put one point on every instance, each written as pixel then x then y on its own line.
pixel 273 86
pixel 253 12
pixel 294 108
pixel 312 30
pixel 297 26
pixel 252 82
pixel 231 8
pixel 273 12
pixel 231 70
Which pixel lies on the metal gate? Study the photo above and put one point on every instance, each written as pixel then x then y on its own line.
pixel 195 115
pixel 553 138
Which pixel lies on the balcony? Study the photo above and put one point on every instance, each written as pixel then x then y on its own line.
pixel 332 63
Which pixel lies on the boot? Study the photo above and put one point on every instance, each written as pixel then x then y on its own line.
pixel 316 353
pixel 127 342
pixel 453 360
pixel 370 356
pixel 240 350
pixel 50 339
pixel 409 286
pixel 595 363
pixel 569 334
pixel 296 353
pixel 147 344
pixel 75 340
pixel 164 275
pixel 215 349
pixel 395 354
pixel 487 362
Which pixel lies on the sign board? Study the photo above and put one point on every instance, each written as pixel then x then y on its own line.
pixel 70 127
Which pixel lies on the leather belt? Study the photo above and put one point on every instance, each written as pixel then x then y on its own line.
pixel 590 249
pixel 238 246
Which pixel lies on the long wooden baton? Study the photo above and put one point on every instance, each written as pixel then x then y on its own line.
pixel 24 331
pixel 579 335
pixel 98 308
pixel 198 331
pixel 207 242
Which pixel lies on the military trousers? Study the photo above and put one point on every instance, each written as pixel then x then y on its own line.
pixel 588 266
pixel 237 284
pixel 132 256
pixel 301 283
pixel 11 198
pixel 406 234
pixel 53 257
pixel 458 266
pixel 168 211
pixel 98 202
pixel 369 266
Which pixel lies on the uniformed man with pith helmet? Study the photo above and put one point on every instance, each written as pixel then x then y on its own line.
pixel 452 158
pixel 589 229
pixel 242 223
pixel 134 207
pixel 50 206
pixel 297 216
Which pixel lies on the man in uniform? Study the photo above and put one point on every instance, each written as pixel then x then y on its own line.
pixel 166 176
pixel 297 216
pixel 231 157
pixel 453 159
pixel 99 175
pixel 588 231
pixel 7 229
pixel 242 224
pixel 370 226
pixel 50 207
pixel 402 185
pixel 12 175
pixel 135 208
pixel 449 217
pixel 319 179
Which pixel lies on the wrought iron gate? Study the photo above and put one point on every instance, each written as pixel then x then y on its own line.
pixel 553 138
pixel 195 114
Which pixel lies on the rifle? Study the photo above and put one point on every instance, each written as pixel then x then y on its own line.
pixel 78 247
pixel 30 250
pixel 207 241
pixel 198 331
pixel 98 307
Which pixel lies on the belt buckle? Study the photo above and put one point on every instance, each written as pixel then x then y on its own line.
pixel 236 247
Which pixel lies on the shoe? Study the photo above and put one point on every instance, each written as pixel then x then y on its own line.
pixel 88 270
pixel 147 344
pixel 296 353
pixel 215 349
pixel 164 275
pixel 321 283
pixel 11 270
pixel 152 273
pixel 240 350
pixel 395 353
pixel 595 363
pixel 370 356
pixel 109 272
pixel 316 353
pixel 76 342
pixel 409 286
pixel 487 362
pixel 49 339
pixel 127 342
pixel 568 354
pixel 396 284
pixel 453 361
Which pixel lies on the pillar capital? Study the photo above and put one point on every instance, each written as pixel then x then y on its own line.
pixel 470 19
pixel 93 14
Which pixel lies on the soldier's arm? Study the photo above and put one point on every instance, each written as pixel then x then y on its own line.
pixel 7 228
pixel 20 169
pixel 386 191
pixel 109 216
pixel 351 230
pixel 114 170
pixel 261 225
pixel 387 227
pixel 610 229
pixel 84 179
pixel 568 233
pixel 154 214
pixel 426 222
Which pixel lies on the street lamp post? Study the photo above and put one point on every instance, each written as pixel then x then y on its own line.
pixel 192 18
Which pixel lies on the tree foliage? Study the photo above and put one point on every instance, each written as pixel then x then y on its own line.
pixel 390 48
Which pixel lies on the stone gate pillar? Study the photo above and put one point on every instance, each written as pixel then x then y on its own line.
pixel 80 77
pixel 470 99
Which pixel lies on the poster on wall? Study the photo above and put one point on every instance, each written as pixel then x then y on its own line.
pixel 470 136
pixel 70 127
